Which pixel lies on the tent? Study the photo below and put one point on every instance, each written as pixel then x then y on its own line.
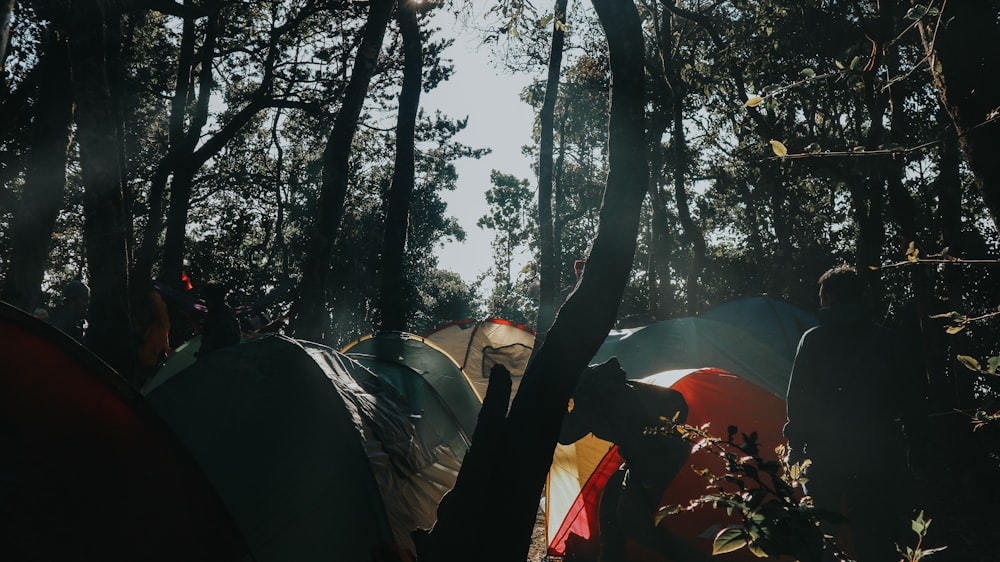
pixel 87 470
pixel 316 456
pixel 580 471
pixel 751 341
pixel 477 346
pixel 402 359
pixel 752 337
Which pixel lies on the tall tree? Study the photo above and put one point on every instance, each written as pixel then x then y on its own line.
pixel 45 176
pixel 109 333
pixel 548 260
pixel 961 41
pixel 393 304
pixel 312 318
pixel 505 497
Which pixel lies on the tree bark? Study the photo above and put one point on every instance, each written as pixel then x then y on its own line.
pixel 45 176
pixel 109 326
pixel 965 45
pixel 548 270
pixel 505 498
pixel 393 302
pixel 311 319
pixel 6 9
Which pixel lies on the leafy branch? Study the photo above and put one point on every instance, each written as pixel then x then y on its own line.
pixel 917 553
pixel 776 519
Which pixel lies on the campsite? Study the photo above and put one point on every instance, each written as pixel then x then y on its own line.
pixel 441 280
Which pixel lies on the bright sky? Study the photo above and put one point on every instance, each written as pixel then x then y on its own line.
pixel 498 120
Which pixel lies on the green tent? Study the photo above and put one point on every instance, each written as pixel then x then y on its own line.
pixel 755 337
pixel 316 456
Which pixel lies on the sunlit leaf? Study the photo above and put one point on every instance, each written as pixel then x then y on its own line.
pixel 954 329
pixel 756 550
pixel 993 364
pixel 754 101
pixel 912 252
pixel 728 540
pixel 779 149
pixel 807 72
pixel 970 363
pixel 839 64
pixel 855 62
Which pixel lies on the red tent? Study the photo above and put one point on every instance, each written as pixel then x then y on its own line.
pixel 714 396
pixel 87 470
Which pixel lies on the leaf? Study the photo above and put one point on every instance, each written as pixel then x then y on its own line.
pixel 756 550
pixel 916 12
pixel 912 253
pixel 992 364
pixel 970 363
pixel 855 62
pixel 729 539
pixel 839 64
pixel 954 329
pixel 874 267
pixel 754 101
pixel 807 72
pixel 813 148
pixel 664 512
pixel 779 149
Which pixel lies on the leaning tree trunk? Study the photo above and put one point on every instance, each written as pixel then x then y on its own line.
pixel 45 177
pixel 109 333
pixel 548 274
pixel 393 308
pixel 966 48
pixel 311 316
pixel 504 497
pixel 6 8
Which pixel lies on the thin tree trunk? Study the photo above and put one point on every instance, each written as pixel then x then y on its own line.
pixel 504 497
pixel 6 9
pixel 548 274
pixel 393 302
pixel 109 326
pixel 45 177
pixel 311 313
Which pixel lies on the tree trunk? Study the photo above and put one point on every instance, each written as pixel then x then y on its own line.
pixel 311 315
pixel 966 49
pixel 45 177
pixel 548 270
pixel 504 498
pixel 393 303
pixel 109 330
pixel 6 9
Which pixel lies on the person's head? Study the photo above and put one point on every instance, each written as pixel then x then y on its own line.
pixel 840 285
pixel 215 292
pixel 76 296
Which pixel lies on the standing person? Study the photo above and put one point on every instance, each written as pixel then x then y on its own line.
pixel 850 394
pixel 221 328
pixel 71 315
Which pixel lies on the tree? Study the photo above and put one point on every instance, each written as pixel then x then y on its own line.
pixel 393 307
pixel 505 499
pixel 45 177
pixel 312 319
pixel 508 200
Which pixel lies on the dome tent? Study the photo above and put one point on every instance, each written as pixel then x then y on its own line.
pixel 316 456
pixel 88 470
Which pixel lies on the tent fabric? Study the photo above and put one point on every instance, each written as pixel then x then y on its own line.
pixel 714 397
pixel 775 323
pixel 478 346
pixel 387 352
pixel 88 471
pixel 316 457
pixel 694 343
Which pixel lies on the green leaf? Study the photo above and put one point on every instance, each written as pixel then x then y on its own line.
pixel 916 12
pixel 729 539
pixel 973 365
pixel 992 364
pixel 545 20
pixel 954 329
pixel 807 72
pixel 754 101
pixel 665 512
pixel 839 64
pixel 756 550
pixel 855 62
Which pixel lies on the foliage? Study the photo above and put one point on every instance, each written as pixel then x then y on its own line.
pixel 776 519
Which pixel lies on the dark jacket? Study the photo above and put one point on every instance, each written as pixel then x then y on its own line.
pixel 851 391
